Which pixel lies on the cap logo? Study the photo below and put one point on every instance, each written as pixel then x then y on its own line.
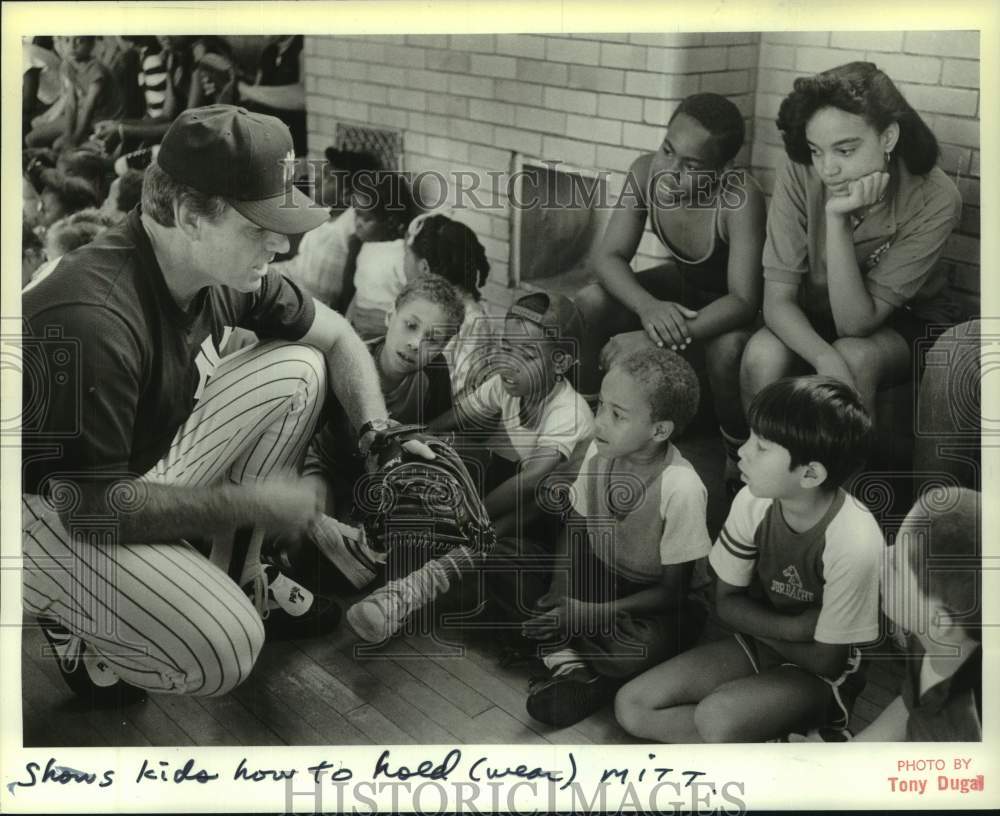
pixel 289 162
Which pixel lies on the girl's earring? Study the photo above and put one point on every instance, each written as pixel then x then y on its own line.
pixel 888 158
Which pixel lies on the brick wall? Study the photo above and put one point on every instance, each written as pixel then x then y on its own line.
pixel 938 73
pixel 468 103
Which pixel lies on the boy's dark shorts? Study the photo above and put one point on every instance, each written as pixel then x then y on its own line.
pixel 844 690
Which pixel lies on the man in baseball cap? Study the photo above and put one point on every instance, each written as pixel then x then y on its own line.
pixel 139 406
pixel 245 158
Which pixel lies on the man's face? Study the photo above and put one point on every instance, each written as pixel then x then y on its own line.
pixel 233 251
pixel 684 160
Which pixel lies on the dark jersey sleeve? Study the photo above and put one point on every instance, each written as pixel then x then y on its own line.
pixel 81 385
pixel 279 309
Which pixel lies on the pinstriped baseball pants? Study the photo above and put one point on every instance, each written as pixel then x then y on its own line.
pixel 163 615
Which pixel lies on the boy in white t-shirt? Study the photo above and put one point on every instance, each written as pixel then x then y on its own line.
pixel 798 579
pixel 527 413
pixel 635 530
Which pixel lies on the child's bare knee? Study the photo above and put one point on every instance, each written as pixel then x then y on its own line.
pixel 724 353
pixel 630 709
pixel 592 300
pixel 717 719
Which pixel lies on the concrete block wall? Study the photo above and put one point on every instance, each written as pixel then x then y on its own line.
pixel 937 72
pixel 469 103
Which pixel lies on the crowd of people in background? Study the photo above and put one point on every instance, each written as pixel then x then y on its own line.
pixel 94 110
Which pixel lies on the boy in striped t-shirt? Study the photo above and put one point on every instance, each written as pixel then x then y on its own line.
pixel 798 574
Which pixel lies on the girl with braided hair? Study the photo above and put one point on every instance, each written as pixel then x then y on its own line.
pixel 440 245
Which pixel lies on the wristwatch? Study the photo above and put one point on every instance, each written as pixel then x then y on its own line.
pixel 368 432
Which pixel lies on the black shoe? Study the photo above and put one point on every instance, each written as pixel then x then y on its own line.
pixel 86 673
pixel 565 699
pixel 289 610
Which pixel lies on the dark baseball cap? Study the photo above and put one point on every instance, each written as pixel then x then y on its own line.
pixel 246 158
pixel 552 311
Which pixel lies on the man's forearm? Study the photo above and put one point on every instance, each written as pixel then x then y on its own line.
pixel 147 511
pixel 853 308
pixel 617 277
pixel 354 378
pixel 283 97
pixel 653 599
pixel 143 131
pixel 792 327
pixel 724 314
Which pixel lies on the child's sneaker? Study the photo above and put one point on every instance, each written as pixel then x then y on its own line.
pixel 288 609
pixel 347 549
pixel 380 616
pixel 87 673
pixel 565 699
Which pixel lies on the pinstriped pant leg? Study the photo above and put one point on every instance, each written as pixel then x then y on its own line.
pixel 254 419
pixel 165 618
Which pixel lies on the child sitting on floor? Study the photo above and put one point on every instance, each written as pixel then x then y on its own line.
pixel 542 420
pixel 442 246
pixel 798 572
pixel 541 416
pixel 426 315
pixel 633 535
pixel 940 612
pixel 709 217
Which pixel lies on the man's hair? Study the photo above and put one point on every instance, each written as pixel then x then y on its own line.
pixel 720 117
pixel 451 250
pixel 862 89
pixel 817 419
pixel 435 289
pixel 668 383
pixel 160 193
pixel 952 516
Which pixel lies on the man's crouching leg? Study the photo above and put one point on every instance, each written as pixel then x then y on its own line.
pixel 159 617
